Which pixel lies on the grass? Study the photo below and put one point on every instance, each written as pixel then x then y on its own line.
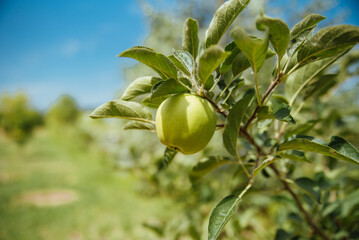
pixel 38 179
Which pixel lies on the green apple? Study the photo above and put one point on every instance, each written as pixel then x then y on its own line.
pixel 185 123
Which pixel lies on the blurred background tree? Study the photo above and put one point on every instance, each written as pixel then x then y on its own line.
pixel 17 118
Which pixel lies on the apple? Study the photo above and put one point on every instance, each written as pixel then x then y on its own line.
pixel 185 123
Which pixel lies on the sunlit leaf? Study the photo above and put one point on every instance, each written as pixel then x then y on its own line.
pixel 211 58
pixel 255 49
pixel 279 34
pixel 140 86
pixel 190 41
pixel 157 61
pixel 122 109
pixel 306 24
pixel 222 19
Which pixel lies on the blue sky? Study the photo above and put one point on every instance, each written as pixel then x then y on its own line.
pixel 53 47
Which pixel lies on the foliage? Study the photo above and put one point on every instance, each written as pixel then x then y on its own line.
pixel 263 132
pixel 17 118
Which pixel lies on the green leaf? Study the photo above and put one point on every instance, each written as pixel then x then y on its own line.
pixel 186 59
pixel 320 85
pixel 302 77
pixel 310 187
pixel 168 157
pixel 241 62
pixel 167 88
pixel 153 102
pixel 302 31
pixel 221 215
pixel 337 148
pixel 308 23
pixel 208 62
pixel 279 33
pixel 265 112
pixel 283 114
pixel 222 19
pixel 294 157
pixel 255 49
pixel 134 125
pixel 227 63
pixel 233 123
pixel 179 64
pixel 157 61
pixel 190 40
pixel 328 42
pixel 140 86
pixel 301 128
pixel 122 109
pixel 207 165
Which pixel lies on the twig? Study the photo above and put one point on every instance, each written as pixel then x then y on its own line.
pixel 269 90
pixel 309 220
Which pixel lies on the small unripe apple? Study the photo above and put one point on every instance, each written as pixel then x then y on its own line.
pixel 185 123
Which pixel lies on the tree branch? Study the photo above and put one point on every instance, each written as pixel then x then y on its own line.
pixel 309 220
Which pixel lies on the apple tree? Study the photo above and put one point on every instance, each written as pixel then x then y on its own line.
pixel 264 127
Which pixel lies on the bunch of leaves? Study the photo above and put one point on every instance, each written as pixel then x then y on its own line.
pixel 268 126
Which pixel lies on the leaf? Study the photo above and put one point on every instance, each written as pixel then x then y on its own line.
pixel 227 63
pixel 222 19
pixel 308 23
pixel 233 123
pixel 337 148
pixel 301 128
pixel 134 125
pixel 320 85
pixel 154 102
pixel 241 62
pixel 157 61
pixel 310 187
pixel 167 88
pixel 302 77
pixel 168 157
pixel 139 87
pixel 265 112
pixel 221 215
pixel 328 42
pixel 122 109
pixel 179 64
pixel 190 40
pixel 211 58
pixel 186 59
pixel 294 157
pixel 283 114
pixel 255 49
pixel 207 165
pixel 302 31
pixel 279 33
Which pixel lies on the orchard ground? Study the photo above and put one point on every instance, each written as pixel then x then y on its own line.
pixel 59 186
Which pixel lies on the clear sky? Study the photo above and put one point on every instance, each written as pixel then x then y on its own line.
pixel 60 46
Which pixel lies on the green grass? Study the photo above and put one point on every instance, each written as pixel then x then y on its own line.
pixel 108 206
